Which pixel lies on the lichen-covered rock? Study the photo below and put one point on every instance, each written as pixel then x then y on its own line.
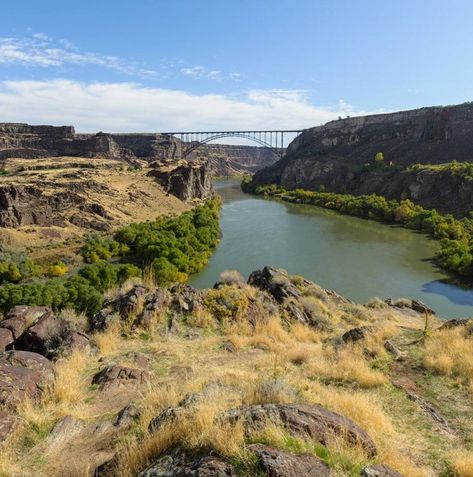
pixel 8 425
pixel 6 338
pixel 21 317
pixel 23 374
pixel 356 334
pixel 306 420
pixel 278 463
pixel 38 336
pixel 37 329
pixel 179 463
pixel 379 470
pixel 116 375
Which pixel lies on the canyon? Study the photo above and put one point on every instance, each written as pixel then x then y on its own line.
pixel 340 157
pixel 27 141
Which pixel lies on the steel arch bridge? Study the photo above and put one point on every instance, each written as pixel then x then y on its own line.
pixel 271 139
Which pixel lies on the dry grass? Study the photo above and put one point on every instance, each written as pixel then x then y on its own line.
pixel 344 365
pixel 8 461
pixel 461 464
pixel 450 352
pixel 109 341
pixel 68 385
pixel 196 427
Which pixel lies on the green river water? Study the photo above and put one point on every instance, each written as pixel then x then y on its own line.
pixel 357 258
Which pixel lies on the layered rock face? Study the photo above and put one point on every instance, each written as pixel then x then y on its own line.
pixel 185 180
pixel 53 199
pixel 334 156
pixel 25 141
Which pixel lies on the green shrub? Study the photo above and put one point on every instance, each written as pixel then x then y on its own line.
pixel 173 248
pixel 456 247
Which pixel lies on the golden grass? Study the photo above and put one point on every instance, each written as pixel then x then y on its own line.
pixel 346 364
pixel 8 461
pixel 450 352
pixel 196 427
pixel 109 341
pixel 461 464
pixel 68 385
pixel 367 411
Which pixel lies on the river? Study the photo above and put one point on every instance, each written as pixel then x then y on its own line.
pixel 357 258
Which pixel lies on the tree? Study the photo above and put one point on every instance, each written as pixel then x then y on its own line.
pixel 379 157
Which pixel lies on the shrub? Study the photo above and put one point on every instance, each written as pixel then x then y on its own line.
pixel 172 247
pixel 57 270
pixel 232 277
pixel 456 248
pixel 226 303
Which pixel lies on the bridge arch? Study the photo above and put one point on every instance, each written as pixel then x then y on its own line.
pixel 200 143
pixel 270 139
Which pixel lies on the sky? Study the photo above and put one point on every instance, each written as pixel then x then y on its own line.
pixel 165 65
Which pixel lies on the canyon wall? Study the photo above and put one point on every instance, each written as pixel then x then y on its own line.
pixel 25 141
pixel 340 157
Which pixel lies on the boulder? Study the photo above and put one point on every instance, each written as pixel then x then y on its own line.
pixel 116 375
pixel 21 317
pixel 127 416
pixel 276 282
pixel 305 420
pixel 356 334
pixel 6 338
pixel 185 298
pixel 455 323
pixel 379 470
pixel 278 463
pixel 179 463
pixel 8 424
pixel 22 374
pixel 155 304
pixel 41 334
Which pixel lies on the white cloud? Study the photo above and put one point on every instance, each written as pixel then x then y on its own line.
pixel 123 107
pixel 201 72
pixel 39 50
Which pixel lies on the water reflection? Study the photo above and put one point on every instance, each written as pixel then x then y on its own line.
pixel 358 258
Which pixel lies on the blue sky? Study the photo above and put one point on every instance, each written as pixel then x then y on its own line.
pixel 197 64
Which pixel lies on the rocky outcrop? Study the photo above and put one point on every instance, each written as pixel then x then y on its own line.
pixel 59 198
pixel 278 463
pixel 187 180
pixel 340 157
pixel 22 375
pixel 304 420
pixel 179 463
pixel 37 329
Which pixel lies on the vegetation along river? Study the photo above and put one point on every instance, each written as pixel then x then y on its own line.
pixel 358 258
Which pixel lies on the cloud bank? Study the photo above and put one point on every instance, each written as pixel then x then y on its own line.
pixel 129 107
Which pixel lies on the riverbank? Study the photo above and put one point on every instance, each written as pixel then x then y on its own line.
pixel 358 258
pixel 455 236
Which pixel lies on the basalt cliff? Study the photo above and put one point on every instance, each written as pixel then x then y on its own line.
pixel 26 141
pixel 340 157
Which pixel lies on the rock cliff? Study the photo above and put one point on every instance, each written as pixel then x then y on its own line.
pixel 44 200
pixel 340 157
pixel 25 141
